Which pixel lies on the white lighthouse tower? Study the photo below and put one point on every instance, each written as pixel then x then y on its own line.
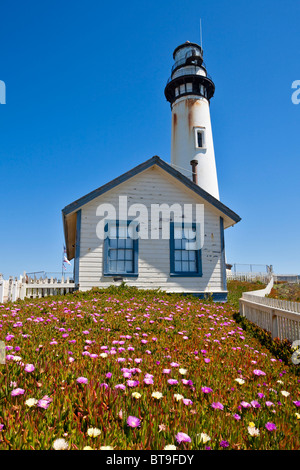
pixel 189 90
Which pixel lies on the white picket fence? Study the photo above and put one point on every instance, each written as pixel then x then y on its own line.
pixel 27 287
pixel 280 317
pixel 248 276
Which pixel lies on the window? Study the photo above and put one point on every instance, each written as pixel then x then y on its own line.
pixel 199 138
pixel 120 249
pixel 185 257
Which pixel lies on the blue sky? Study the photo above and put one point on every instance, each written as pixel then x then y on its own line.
pixel 85 103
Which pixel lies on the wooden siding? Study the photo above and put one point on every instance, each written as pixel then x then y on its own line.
pixel 151 187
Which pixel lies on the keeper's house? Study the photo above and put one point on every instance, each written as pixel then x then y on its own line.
pixel 160 225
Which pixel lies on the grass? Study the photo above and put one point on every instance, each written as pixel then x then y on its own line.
pixel 127 344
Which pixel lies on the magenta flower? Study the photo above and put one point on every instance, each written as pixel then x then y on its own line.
pixel 269 403
pixel 82 380
pixel 133 422
pixel 29 368
pixel 182 437
pixel 120 386
pixel 187 401
pixel 224 444
pixel 43 403
pixel 296 403
pixel 172 381
pixel 270 426
pixel 148 380
pixel 255 404
pixel 237 416
pixel 206 360
pixel 217 405
pixel 206 390
pixel 245 404
pixel 258 372
pixel 132 383
pixel 17 391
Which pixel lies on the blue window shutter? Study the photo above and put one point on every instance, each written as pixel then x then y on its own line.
pixel 172 254
pixel 223 261
pixel 77 249
pixel 105 250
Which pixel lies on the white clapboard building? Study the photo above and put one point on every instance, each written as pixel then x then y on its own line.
pixel 160 225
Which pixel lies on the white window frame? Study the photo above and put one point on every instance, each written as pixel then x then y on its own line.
pixel 200 130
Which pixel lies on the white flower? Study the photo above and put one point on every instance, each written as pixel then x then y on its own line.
pixel 240 381
pixel 157 395
pixel 103 355
pixel 279 382
pixel 106 448
pixel 182 371
pixel 31 402
pixel 204 437
pixel 253 431
pixel 87 448
pixel 178 397
pixel 136 395
pixel 170 447
pixel 284 393
pixel 93 432
pixel 60 444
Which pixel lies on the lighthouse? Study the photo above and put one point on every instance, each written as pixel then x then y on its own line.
pixel 189 90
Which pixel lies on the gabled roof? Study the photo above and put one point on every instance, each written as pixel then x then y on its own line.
pixel 76 205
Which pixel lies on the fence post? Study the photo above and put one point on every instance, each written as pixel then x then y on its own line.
pixel 274 324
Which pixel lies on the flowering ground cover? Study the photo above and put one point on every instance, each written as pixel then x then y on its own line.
pixel 128 370
pixel 286 291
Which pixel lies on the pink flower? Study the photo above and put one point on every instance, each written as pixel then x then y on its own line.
pixel 217 405
pixel 29 368
pixel 43 404
pixel 133 422
pixel 17 391
pixel 187 401
pixel 258 372
pixel 172 381
pixel 270 426
pixel 245 404
pixel 206 390
pixel 132 383
pixel 255 404
pixel 182 437
pixel 206 360
pixel 82 380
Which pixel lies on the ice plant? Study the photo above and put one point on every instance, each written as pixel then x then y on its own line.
pixel 60 444
pixel 182 437
pixel 204 437
pixel 258 372
pixel 93 432
pixel 270 426
pixel 17 391
pixel 82 380
pixel 217 405
pixel 133 422
pixel 157 395
pixel 31 402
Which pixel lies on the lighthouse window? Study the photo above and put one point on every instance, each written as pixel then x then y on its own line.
pixel 199 138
